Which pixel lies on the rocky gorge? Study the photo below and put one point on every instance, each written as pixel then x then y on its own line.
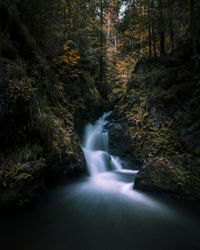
pixel 46 100
pixel 160 110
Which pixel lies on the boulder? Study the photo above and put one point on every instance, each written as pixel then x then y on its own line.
pixel 120 145
pixel 171 175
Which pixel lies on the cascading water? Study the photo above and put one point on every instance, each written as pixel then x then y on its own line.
pixel 99 162
pixel 102 211
pixel 95 146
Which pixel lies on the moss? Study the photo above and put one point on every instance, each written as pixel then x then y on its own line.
pixel 39 106
pixel 169 175
pixel 20 181
pixel 161 111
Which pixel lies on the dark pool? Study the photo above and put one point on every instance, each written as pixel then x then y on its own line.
pixel 102 214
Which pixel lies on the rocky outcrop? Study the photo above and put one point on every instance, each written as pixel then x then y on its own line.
pixel 161 112
pixel 120 144
pixel 40 103
pixel 170 175
pixel 30 120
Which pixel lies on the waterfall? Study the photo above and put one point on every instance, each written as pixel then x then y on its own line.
pixel 116 163
pixel 106 170
pixel 95 149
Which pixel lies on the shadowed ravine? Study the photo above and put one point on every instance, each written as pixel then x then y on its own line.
pixel 102 211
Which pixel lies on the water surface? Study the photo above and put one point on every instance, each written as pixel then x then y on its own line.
pixel 102 212
pixel 89 215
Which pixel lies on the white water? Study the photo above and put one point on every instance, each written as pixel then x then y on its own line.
pixel 102 211
pixel 105 170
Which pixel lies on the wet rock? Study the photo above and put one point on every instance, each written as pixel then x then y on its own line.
pixel 120 145
pixel 161 112
pixel 170 175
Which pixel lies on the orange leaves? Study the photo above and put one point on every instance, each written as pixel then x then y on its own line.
pixel 66 47
pixel 68 62
pixel 70 56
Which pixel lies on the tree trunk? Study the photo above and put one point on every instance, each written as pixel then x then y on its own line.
pixel 65 22
pixel 193 36
pixel 162 31
pixel 101 44
pixel 171 29
pixel 70 18
pixel 172 45
pixel 153 32
pixel 154 40
pixel 149 29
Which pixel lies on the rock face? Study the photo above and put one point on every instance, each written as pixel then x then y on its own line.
pixel 33 133
pixel 120 144
pixel 39 108
pixel 161 113
pixel 20 183
pixel 169 175
pixel 34 127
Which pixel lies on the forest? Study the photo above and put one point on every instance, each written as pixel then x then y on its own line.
pixel 100 113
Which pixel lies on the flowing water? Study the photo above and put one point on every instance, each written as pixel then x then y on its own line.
pixel 102 212
pixel 104 168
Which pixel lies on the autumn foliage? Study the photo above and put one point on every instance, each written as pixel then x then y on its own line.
pixel 68 62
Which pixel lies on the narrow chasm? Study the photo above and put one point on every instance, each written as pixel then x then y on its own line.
pixel 99 125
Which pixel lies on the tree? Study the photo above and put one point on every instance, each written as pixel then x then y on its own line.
pixel 193 31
